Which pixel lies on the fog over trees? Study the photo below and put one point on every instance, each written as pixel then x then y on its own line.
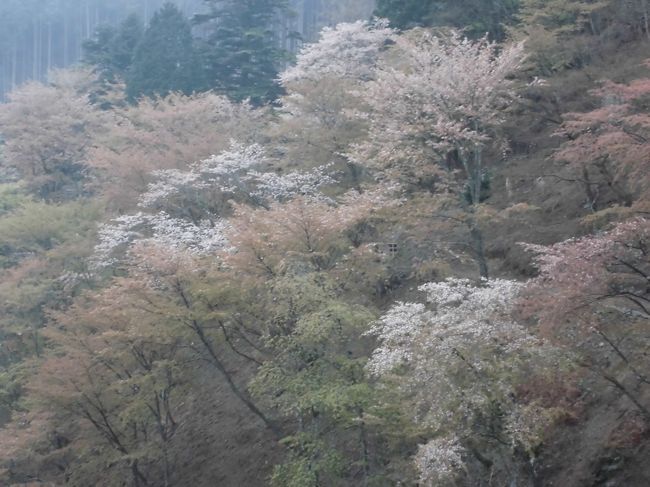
pixel 38 35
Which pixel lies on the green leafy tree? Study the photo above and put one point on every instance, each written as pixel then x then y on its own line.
pixel 562 34
pixel 316 379
pixel 242 53
pixel 164 60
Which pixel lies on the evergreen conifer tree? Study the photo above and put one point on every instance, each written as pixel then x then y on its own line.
pixel 112 50
pixel 476 17
pixel 406 13
pixel 164 60
pixel 241 53
pixel 125 42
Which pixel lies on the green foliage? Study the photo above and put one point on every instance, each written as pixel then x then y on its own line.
pixel 559 33
pixel 36 227
pixel 314 364
pixel 310 463
pixel 564 35
pixel 241 52
pixel 10 389
pixel 562 16
pixel 164 60
pixel 42 250
pixel 315 376
pixel 12 196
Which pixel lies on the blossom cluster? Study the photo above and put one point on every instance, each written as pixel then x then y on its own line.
pixel 608 269
pixel 439 460
pixel 460 316
pixel 232 172
pixel 221 172
pixel 161 229
pixel 349 50
pixel 454 357
pixel 437 94
pixel 269 185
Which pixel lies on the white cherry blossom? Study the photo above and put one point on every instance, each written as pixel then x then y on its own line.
pixel 439 460
pixel 349 50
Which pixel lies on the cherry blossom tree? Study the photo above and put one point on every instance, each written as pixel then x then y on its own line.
pixel 206 185
pixel 302 234
pixel 168 133
pixel 458 358
pixel 434 95
pixel 349 51
pixel 577 274
pixel 607 148
pixel 187 210
pixel 276 187
pixel 317 123
pixel 49 130
pixel 439 461
pixel 241 172
pixel 118 236
pixel 435 107
pixel 592 297
pixel 115 382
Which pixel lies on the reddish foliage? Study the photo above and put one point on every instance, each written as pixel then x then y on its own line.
pixel 556 390
pixel 167 133
pixel 607 272
pixel 302 230
pixel 609 147
pixel 630 433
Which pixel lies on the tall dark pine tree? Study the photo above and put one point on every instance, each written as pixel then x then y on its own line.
pixel 241 54
pixel 164 60
pixel 97 50
pixel 406 13
pixel 475 17
pixel 112 50
pixel 125 42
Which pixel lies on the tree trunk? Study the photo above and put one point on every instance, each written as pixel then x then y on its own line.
pixel 216 361
pixel 626 392
pixel 365 458
pixel 35 74
pixel 478 247
pixel 65 39
pixel 166 466
pixel 87 20
pixel 138 478
pixel 49 47
pixel 14 65
pixel 646 21
pixel 478 176
pixel 592 196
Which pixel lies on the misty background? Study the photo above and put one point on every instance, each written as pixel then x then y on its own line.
pixel 39 35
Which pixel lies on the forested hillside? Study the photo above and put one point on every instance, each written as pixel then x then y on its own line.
pixel 413 253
